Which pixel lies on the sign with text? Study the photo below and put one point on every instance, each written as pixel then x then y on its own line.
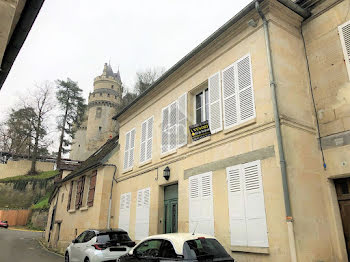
pixel 199 131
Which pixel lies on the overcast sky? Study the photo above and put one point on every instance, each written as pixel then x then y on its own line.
pixel 75 38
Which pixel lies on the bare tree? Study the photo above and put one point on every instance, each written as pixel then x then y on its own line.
pixel 144 79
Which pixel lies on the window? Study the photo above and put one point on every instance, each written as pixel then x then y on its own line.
pixel 70 195
pixel 88 236
pixel 112 86
pixel 344 33
pixel 201 213
pixel 238 93
pixel 167 250
pixel 129 149
pixel 149 248
pixel 246 205
pixel 100 94
pixel 194 249
pixel 80 192
pixel 174 125
pixel 108 95
pixel 142 213
pixel 124 211
pixel 98 112
pixel 146 140
pixel 91 195
pixel 100 128
pixel 80 238
pixel 202 106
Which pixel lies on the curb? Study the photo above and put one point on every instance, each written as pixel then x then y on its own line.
pixel 26 230
pixel 47 249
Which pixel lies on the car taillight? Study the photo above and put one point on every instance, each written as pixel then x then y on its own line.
pixel 100 246
pixel 201 238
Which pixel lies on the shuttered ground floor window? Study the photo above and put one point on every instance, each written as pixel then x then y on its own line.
pixel 201 213
pixel 246 205
pixel 142 213
pixel 124 211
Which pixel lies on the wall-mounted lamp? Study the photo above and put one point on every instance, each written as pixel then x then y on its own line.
pixel 166 173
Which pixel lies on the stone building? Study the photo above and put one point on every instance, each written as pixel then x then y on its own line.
pixel 272 178
pixel 98 126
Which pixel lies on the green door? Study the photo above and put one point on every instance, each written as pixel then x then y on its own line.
pixel 170 209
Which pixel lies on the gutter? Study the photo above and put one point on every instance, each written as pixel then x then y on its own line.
pixel 288 3
pixel 25 23
pixel 110 196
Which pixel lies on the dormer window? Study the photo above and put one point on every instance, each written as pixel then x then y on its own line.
pixel 112 86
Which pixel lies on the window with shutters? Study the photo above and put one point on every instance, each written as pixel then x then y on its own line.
pixel 92 186
pixel 129 149
pixel 246 205
pixel 202 106
pixel 174 125
pixel 69 204
pixel 124 211
pixel 201 212
pixel 146 140
pixel 238 93
pixel 142 213
pixel 344 33
pixel 80 192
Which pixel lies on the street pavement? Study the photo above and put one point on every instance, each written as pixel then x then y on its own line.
pixel 18 246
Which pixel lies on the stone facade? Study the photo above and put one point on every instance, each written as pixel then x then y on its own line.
pixel 98 126
pixel 314 232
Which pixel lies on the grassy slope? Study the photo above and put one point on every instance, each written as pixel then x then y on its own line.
pixel 40 176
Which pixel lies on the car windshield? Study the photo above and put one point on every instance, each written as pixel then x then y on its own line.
pixel 205 248
pixel 113 236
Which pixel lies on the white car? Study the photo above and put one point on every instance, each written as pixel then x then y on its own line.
pixel 99 246
pixel 177 247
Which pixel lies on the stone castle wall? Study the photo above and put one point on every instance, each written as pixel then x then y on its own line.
pixel 22 167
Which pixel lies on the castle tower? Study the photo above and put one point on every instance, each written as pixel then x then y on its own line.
pixel 102 106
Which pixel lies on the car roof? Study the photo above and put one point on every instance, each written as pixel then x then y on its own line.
pixel 105 231
pixel 178 239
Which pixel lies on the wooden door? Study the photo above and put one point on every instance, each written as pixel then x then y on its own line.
pixel 343 194
pixel 170 208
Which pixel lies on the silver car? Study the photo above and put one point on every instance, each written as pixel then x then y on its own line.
pixel 99 246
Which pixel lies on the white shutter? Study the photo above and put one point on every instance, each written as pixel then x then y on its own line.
pixel 201 213
pixel 149 138
pixel 238 228
pixel 143 141
pixel 132 147
pixel 344 33
pixel 215 114
pixel 165 124
pixel 172 126
pixel 245 89
pixel 182 125
pixel 126 151
pixel 207 212
pixel 255 206
pixel 142 213
pixel 124 212
pixel 230 96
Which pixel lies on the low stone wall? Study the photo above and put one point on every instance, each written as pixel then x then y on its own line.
pixel 38 219
pixel 15 217
pixel 22 167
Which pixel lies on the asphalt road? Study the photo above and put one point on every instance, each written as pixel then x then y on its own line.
pixel 18 246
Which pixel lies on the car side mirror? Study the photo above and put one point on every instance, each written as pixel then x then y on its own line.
pixel 74 241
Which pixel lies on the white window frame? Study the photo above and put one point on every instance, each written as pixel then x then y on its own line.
pixel 203 111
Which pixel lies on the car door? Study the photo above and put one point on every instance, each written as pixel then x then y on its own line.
pixel 85 244
pixel 147 251
pixel 75 252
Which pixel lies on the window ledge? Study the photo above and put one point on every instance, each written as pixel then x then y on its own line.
pixel 127 170
pixel 168 153
pixel 234 128
pixel 145 163
pixel 200 141
pixel 83 208
pixel 258 250
pixel 71 211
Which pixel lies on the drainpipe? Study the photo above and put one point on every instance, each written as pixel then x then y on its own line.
pixel 110 196
pixel 289 218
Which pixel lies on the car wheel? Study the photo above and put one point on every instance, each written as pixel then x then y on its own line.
pixel 66 257
pixel 86 259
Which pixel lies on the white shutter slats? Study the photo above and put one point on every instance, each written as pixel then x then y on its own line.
pixel 245 87
pixel 132 147
pixel 230 96
pixel 126 151
pixel 165 124
pixel 344 33
pixel 255 206
pixel 246 205
pixel 236 207
pixel 142 213
pixel 182 121
pixel 201 213
pixel 149 138
pixel 124 211
pixel 215 112
pixel 143 141
pixel 172 126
